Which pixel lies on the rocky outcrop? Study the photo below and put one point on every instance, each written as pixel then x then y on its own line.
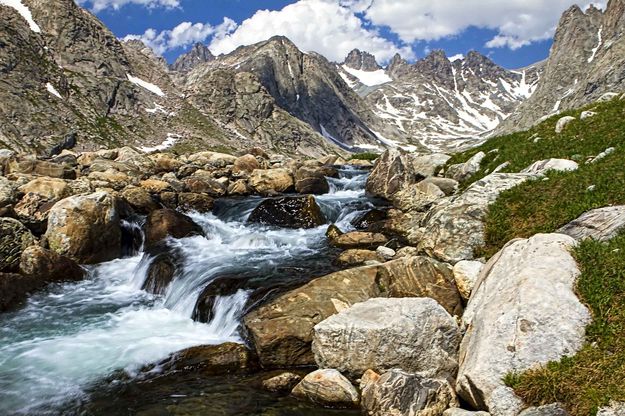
pixel 328 388
pixel 362 61
pixel 454 228
pixel 586 62
pixel 289 212
pixel 557 165
pixel 601 224
pixel 400 393
pixel 198 55
pixel 523 313
pixel 413 334
pixel 85 228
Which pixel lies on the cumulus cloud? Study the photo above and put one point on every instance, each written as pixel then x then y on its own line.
pixel 323 26
pixel 518 22
pixel 185 34
pixel 99 5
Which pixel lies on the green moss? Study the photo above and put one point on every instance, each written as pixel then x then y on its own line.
pixel 365 156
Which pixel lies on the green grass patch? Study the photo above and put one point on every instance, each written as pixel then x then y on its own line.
pixel 365 156
pixel 594 376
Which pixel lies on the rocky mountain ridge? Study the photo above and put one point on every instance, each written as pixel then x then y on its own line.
pixel 586 61
pixel 445 105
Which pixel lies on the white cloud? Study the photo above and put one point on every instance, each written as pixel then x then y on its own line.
pixel 185 34
pixel 99 5
pixel 518 22
pixel 321 26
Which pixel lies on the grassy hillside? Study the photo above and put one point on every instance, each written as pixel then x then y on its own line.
pixel 594 376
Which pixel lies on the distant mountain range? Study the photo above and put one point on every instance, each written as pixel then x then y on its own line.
pixel 63 72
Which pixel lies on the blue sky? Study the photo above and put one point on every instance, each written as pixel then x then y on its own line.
pixel 514 33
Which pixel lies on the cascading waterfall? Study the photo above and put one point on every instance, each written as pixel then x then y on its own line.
pixel 75 334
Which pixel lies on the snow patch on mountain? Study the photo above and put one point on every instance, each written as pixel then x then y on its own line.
pixel 146 85
pixel 368 78
pixel 53 90
pixel 24 12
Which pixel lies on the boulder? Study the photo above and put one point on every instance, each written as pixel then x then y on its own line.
pixel 54 170
pixel 328 388
pixel 14 239
pixel 32 210
pixel 140 200
pixel 359 239
pixel 523 313
pixel 558 165
pixel 419 197
pixel 271 181
pixel 164 223
pixel 212 159
pixel 7 192
pixel 164 162
pixel 289 212
pixel 607 152
pixel 282 329
pixel 461 412
pixel 48 188
pixel 601 224
pixel 466 274
pixel 161 271
pixel 464 171
pixel 417 276
pixel 14 288
pixel 311 181
pixel 245 164
pixel 587 114
pixel 207 360
pixel 554 409
pixel 189 201
pixel 399 393
pixel 447 185
pixel 282 382
pixel 239 187
pixel 49 266
pixel 562 123
pixel 203 183
pixel 386 253
pixel 155 186
pixel 454 228
pixel 608 96
pixel 85 228
pixel 356 257
pixel 413 334
pixel 614 409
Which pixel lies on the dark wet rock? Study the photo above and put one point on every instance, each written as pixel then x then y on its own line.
pixel 207 360
pixel 333 232
pixel 165 223
pixel 160 274
pixel 289 212
pixel 14 289
pixel 14 239
pixel 369 219
pixel 311 181
pixel 49 266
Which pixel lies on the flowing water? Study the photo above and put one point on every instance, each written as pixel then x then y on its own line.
pixel 64 341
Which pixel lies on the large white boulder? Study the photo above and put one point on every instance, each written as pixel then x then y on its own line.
pixel 464 171
pixel 558 165
pixel 466 273
pixel 413 334
pixel 563 122
pixel 523 313
pixel 600 224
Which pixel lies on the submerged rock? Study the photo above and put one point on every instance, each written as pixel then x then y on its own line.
pixel 523 312
pixel 165 223
pixel 289 212
pixel 162 269
pixel 400 393
pixel 85 228
pixel 412 334
pixel 282 382
pixel 328 388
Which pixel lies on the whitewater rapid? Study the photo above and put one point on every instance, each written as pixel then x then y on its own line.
pixel 74 334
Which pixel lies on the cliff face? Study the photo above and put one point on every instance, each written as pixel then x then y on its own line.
pixel 586 61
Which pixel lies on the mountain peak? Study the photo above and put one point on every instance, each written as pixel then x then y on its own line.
pixel 198 54
pixel 362 61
